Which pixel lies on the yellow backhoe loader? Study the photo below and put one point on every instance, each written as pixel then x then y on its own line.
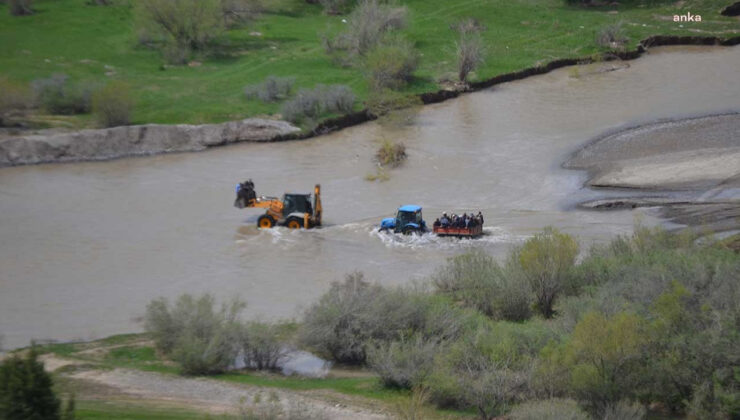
pixel 294 210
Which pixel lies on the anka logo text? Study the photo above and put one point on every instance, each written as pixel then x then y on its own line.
pixel 688 17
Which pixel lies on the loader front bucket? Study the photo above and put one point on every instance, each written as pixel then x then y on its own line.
pixel 244 194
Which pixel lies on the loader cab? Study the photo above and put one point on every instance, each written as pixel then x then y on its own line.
pixel 297 203
pixel 408 220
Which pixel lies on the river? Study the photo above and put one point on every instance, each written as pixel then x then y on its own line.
pixel 85 246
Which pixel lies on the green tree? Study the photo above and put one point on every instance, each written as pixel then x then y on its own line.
pixel 25 390
pixel 605 358
pixel 546 261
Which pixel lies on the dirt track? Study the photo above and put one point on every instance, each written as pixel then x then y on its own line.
pixel 212 396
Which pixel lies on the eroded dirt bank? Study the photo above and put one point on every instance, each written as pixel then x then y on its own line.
pixel 690 167
pixel 135 140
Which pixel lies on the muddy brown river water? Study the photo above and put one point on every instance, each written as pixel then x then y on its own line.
pixel 84 247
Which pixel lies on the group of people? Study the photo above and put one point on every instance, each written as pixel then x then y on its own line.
pixel 459 221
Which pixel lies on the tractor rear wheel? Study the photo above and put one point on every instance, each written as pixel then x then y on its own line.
pixel 294 223
pixel 265 221
pixel 409 231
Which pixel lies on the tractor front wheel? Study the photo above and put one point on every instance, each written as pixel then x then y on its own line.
pixel 294 223
pixel 265 221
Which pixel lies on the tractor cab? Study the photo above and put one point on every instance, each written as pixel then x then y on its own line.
pixel 408 220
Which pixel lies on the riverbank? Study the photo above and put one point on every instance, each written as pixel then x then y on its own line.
pixel 123 375
pixel 104 144
pixel 286 41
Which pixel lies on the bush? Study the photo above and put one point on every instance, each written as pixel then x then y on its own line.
pixel 552 409
pixel 20 7
pixel 26 389
pixel 239 12
pixel 611 36
pixel 476 280
pixel 367 26
pixel 201 339
pixel 15 99
pixel 403 364
pixel 354 313
pixel 112 105
pixel 57 95
pixel 390 66
pixel 546 260
pixel 334 7
pixel 391 153
pixel 261 346
pixel 624 410
pixel 335 326
pixel 308 105
pixel 465 377
pixel 271 90
pixel 185 25
pixel 469 47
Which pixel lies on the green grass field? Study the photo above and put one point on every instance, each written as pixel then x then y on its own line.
pixel 86 42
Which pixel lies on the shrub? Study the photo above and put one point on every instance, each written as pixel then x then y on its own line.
pixel 546 260
pixel 201 339
pixel 624 410
pixel 391 153
pixel 20 7
pixel 466 378
pixel 308 105
pixel 239 12
pixel 476 280
pixel 338 98
pixel 611 36
pixel 57 95
pixel 261 346
pixel 112 105
pixel 552 409
pixel 335 326
pixel 354 313
pixel 391 65
pixel 15 98
pixel 413 408
pixel 271 90
pixel 469 47
pixel 185 24
pixel 367 25
pixel 403 364
pixel 26 389
pixel 334 7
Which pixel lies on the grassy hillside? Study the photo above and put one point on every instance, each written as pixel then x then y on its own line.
pixel 95 44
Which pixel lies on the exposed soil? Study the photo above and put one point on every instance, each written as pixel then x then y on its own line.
pixel 203 394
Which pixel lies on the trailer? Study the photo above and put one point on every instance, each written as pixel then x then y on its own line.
pixel 459 232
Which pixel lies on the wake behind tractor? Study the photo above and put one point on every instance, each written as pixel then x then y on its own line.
pixel 294 210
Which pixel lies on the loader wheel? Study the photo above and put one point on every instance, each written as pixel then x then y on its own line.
pixel 294 223
pixel 265 221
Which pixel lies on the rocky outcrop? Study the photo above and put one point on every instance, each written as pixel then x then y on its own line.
pixel 136 140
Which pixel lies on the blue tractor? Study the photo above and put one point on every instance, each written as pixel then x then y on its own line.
pixel 408 220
